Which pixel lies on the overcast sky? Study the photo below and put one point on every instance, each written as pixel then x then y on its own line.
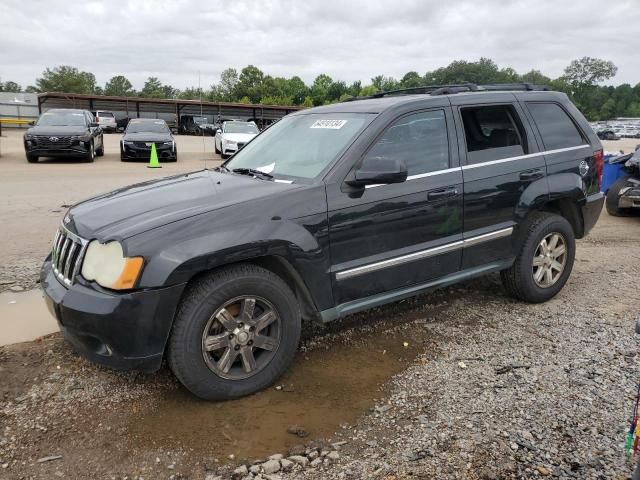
pixel 349 40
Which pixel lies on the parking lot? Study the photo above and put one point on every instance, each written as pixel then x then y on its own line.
pixel 34 196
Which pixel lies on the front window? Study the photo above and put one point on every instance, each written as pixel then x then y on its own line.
pixel 301 146
pixel 62 119
pixel 238 127
pixel 157 126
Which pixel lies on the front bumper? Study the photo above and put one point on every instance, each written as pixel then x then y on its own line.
pixel 591 211
pixel 136 152
pixel 78 150
pixel 123 331
pixel 630 196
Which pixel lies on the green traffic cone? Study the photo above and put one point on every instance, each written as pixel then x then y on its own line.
pixel 153 161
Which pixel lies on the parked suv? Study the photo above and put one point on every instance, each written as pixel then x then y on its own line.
pixel 66 133
pixel 106 120
pixel 331 211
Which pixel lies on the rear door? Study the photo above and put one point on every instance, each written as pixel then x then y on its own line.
pixel 387 237
pixel 500 161
pixel 566 145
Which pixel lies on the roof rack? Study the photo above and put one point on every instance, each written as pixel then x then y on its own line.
pixel 455 88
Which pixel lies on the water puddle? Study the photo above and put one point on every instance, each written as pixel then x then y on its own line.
pixel 324 389
pixel 24 317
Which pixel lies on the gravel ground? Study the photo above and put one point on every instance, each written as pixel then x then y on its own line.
pixel 499 389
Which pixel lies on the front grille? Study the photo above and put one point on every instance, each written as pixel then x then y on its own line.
pixel 66 256
pixel 53 141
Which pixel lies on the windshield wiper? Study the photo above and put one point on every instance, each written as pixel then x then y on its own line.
pixel 252 171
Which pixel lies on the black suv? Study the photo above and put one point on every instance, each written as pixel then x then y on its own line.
pixel 141 134
pixel 331 211
pixel 63 132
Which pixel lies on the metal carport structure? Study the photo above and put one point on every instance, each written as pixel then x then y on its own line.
pixel 168 109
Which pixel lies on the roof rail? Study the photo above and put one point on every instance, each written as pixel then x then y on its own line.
pixel 455 88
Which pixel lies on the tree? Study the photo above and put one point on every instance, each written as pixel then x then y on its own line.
pixel 250 83
pixel 170 92
pixel 228 83
pixel 536 77
pixel 66 79
pixel 31 89
pixel 245 100
pixel 384 84
pixel 152 88
pixel 368 90
pixel 297 90
pixel 119 86
pixel 190 93
pixel 588 71
pixel 307 102
pixel 320 88
pixel 411 80
pixel 10 87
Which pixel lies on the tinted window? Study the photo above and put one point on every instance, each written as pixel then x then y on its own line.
pixel 62 118
pixel 491 133
pixel 420 140
pixel 105 114
pixel 555 126
pixel 147 126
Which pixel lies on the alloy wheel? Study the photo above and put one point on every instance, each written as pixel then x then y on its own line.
pixel 241 337
pixel 549 260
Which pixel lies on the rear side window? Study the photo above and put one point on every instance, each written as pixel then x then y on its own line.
pixel 555 126
pixel 491 133
pixel 420 140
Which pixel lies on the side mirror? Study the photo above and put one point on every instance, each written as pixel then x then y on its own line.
pixel 378 170
pixel 94 124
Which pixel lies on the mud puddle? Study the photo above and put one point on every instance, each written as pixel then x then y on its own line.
pixel 325 389
pixel 24 316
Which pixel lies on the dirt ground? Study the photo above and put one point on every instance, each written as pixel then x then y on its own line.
pixel 462 383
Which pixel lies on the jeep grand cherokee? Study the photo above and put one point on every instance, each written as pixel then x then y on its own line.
pixel 331 211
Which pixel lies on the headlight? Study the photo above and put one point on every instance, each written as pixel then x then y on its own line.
pixel 106 264
pixel 127 142
pixel 81 138
pixel 168 143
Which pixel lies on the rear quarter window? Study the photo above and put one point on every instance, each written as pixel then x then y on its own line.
pixel 555 126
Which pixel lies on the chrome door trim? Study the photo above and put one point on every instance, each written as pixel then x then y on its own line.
pixel 521 157
pixel 430 252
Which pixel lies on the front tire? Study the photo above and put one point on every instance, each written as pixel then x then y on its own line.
pixel 91 154
pixel 236 331
pixel 545 260
pixel 32 158
pixel 613 200
pixel 100 151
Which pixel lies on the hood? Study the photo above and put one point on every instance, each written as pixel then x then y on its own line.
pixel 57 130
pixel 238 137
pixel 138 208
pixel 147 137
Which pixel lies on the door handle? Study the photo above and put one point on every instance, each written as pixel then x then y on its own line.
pixel 449 192
pixel 532 174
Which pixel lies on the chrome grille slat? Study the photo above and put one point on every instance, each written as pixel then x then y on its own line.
pixel 67 254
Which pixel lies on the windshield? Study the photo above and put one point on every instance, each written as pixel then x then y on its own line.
pixel 240 127
pixel 200 120
pixel 104 114
pixel 155 126
pixel 300 146
pixel 62 119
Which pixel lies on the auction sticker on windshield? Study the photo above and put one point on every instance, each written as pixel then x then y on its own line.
pixel 332 124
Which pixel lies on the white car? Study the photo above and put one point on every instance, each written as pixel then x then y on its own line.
pixel 233 136
pixel 106 120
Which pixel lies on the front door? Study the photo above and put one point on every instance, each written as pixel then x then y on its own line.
pixel 387 237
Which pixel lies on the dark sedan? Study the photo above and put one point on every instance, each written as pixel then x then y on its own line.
pixel 66 133
pixel 141 134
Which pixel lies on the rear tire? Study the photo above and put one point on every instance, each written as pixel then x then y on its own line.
pixel 218 308
pixel 613 200
pixel 32 158
pixel 100 151
pixel 540 270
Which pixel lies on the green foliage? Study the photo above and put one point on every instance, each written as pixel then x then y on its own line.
pixel 10 87
pixel 66 79
pixel 580 82
pixel 119 86
pixel 152 88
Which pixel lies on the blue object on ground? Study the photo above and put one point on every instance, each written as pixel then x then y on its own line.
pixel 610 173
